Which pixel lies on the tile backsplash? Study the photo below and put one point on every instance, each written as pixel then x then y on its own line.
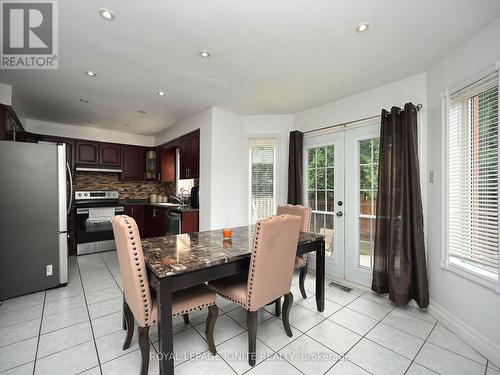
pixel 127 189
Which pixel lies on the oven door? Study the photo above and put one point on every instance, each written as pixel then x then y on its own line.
pixel 90 233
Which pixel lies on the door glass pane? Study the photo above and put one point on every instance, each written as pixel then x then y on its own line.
pixel 320 192
pixel 368 170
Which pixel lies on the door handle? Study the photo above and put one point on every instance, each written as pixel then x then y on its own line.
pixel 339 213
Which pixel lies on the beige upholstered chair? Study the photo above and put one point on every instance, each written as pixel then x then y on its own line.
pixel 138 302
pixel 270 274
pixel 301 260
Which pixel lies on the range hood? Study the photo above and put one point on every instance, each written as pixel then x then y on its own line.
pixel 108 170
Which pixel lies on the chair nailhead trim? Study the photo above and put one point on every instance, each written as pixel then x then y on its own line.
pixel 199 307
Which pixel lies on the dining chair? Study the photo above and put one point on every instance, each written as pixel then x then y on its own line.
pixel 139 301
pixel 300 260
pixel 269 276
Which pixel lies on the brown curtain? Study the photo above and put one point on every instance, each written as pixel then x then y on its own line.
pixel 295 167
pixel 399 253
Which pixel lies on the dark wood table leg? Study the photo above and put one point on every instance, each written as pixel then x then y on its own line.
pixel 320 277
pixel 165 330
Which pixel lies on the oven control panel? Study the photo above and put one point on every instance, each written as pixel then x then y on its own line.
pixel 96 195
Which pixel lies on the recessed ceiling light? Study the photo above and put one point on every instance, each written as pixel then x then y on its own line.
pixel 84 100
pixel 90 73
pixel 205 54
pixel 161 93
pixel 362 27
pixel 107 14
pixel 141 112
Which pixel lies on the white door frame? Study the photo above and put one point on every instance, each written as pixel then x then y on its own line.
pixel 354 272
pixel 334 267
pixel 346 233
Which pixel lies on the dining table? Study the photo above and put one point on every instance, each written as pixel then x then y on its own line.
pixel 176 262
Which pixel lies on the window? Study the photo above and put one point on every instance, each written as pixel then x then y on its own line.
pixel 320 191
pixel 368 183
pixel 472 179
pixel 262 178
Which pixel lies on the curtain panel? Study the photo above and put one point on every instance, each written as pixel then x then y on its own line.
pixel 399 252
pixel 295 168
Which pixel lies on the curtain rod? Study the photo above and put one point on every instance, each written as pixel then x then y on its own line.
pixel 418 106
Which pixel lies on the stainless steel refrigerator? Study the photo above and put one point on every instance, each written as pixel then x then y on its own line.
pixel 33 217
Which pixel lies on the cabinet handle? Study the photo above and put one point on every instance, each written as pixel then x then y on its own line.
pixel 188 172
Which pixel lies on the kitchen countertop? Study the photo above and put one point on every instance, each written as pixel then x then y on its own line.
pixel 145 202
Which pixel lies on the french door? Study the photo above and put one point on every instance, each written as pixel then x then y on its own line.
pixel 341 189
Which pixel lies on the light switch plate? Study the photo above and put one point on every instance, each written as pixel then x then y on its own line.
pixel 48 270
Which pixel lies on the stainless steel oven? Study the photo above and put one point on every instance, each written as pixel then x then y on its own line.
pixel 94 210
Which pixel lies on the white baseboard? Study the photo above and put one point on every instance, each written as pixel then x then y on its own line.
pixel 478 341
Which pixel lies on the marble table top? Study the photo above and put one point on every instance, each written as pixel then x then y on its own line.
pixel 175 254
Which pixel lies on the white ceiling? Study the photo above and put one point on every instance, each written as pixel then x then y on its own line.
pixel 268 56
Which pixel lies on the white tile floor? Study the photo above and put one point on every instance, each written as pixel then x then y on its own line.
pixel 77 330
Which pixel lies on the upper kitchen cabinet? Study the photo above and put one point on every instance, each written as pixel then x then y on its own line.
pixel 167 163
pixel 132 163
pixel 109 155
pixel 10 125
pixel 189 156
pixel 87 153
pixel 151 164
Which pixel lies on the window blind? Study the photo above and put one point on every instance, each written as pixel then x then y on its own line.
pixel 473 177
pixel 262 181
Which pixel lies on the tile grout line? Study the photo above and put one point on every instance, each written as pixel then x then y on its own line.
pixel 363 336
pixel 217 353
pixel 90 320
pixel 425 341
pixel 39 333
pixel 111 273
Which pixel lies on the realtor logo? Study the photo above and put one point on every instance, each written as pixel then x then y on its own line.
pixel 28 34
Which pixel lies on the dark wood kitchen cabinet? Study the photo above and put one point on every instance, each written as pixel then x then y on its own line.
pixel 190 222
pixel 167 165
pixel 189 156
pixel 87 153
pixel 138 213
pixel 155 221
pixel 10 126
pixel 3 123
pixel 132 163
pixel 151 164
pixel 109 154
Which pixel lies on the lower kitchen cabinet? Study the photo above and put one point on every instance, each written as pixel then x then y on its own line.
pixel 137 212
pixel 154 221
pixel 190 222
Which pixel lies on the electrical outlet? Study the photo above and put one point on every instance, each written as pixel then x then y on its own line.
pixel 48 270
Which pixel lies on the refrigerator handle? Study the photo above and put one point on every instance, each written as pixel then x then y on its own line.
pixel 70 187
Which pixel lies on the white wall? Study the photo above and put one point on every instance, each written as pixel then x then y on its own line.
pixel 473 309
pixel 89 133
pixel 202 121
pixel 8 97
pixel 5 94
pixel 227 196
pixel 365 104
